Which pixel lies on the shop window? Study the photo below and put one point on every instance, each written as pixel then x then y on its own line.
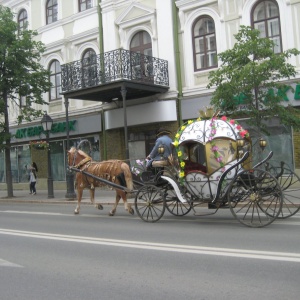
pixel 24 160
pixel 204 43
pixel 84 4
pixel 51 11
pixel 22 20
pixel 55 79
pixel 265 17
pixel 279 140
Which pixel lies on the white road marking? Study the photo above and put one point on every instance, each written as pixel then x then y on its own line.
pixel 229 252
pixel 5 263
pixel 30 212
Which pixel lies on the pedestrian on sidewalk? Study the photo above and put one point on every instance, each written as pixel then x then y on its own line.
pixel 32 178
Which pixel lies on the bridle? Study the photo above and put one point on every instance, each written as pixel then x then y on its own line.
pixel 85 160
pixel 81 163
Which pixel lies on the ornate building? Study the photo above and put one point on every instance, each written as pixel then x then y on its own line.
pixel 122 68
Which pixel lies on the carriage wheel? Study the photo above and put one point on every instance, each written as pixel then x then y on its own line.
pixel 150 203
pixel 255 198
pixel 290 185
pixel 174 205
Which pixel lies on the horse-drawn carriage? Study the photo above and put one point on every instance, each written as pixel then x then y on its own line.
pixel 212 165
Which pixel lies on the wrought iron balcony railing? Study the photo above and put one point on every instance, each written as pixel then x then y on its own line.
pixel 111 66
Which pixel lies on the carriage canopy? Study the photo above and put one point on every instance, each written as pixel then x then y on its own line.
pixel 209 145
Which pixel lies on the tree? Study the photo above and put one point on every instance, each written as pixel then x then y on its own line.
pixel 252 74
pixel 21 77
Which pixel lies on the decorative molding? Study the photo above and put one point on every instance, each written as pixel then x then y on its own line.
pixel 126 23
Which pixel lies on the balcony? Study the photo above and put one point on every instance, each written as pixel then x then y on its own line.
pixel 101 77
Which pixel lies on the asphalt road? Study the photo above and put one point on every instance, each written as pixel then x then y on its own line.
pixel 47 252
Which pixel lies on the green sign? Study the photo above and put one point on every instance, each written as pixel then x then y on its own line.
pixel 37 130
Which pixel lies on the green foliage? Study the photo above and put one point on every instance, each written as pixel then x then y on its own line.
pixel 252 74
pixel 21 73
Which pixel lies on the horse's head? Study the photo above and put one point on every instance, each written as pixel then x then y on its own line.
pixel 71 156
pixel 77 158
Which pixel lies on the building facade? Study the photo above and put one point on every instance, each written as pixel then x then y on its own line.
pixel 123 68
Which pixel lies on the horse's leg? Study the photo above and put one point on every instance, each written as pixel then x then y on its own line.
pixel 79 197
pixel 118 197
pixel 92 197
pixel 127 206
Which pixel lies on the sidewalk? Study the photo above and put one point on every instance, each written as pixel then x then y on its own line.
pixel 23 196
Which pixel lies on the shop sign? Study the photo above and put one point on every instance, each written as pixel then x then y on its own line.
pixel 37 130
pixel 282 94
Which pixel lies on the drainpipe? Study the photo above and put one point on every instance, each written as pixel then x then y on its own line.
pixel 177 61
pixel 103 135
pixel 101 48
pixel 101 45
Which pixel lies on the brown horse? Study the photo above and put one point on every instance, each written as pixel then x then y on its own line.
pixel 115 171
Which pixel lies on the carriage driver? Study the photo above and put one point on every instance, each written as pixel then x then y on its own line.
pixel 164 140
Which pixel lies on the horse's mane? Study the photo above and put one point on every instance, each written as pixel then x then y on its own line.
pixel 83 154
pixel 80 152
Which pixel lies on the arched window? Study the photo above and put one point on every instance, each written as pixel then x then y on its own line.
pixel 141 43
pixel 84 4
pixel 55 79
pixel 23 20
pixel 265 17
pixel 89 68
pixel 141 56
pixel 204 43
pixel 51 11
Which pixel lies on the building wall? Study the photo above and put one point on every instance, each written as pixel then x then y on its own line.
pixel 74 32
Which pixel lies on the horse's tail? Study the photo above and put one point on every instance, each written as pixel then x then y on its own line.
pixel 128 176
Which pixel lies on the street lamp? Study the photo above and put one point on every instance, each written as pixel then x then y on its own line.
pixel 47 125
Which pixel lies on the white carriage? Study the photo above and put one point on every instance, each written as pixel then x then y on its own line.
pixel 212 165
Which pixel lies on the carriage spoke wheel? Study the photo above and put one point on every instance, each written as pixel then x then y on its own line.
pixel 290 185
pixel 255 198
pixel 150 203
pixel 174 205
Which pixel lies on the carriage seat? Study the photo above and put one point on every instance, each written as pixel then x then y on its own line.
pixel 191 166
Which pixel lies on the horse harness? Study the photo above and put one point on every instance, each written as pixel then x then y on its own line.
pixel 111 168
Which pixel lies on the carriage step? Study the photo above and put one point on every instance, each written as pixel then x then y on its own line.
pixel 217 205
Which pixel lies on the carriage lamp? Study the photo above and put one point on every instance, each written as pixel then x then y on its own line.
pixel 161 149
pixel 208 113
pixel 262 143
pixel 47 125
pixel 240 142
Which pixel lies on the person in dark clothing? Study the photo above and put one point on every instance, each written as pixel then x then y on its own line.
pixel 163 140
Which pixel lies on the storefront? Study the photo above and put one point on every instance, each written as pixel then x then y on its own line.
pixel 24 151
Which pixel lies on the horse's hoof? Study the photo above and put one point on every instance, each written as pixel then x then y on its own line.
pixel 111 214
pixel 76 212
pixel 131 211
pixel 100 207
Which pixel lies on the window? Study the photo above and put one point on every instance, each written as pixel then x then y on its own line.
pixel 84 4
pixel 23 101
pixel 204 43
pixel 265 18
pixel 141 56
pixel 51 11
pixel 141 43
pixel 23 20
pixel 89 68
pixel 55 79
